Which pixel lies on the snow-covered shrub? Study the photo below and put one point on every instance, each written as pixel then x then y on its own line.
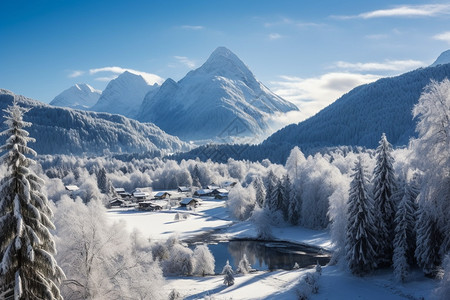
pixel 309 284
pixel 244 266
pixel 180 261
pixel 174 295
pixel 204 261
pixel 260 217
pixel 296 266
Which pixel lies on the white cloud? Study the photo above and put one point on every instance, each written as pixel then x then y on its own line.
pixel 150 78
pixel 192 27
pixel 76 73
pixel 428 10
pixel 313 94
pixel 287 21
pixel 185 61
pixel 388 65
pixel 445 36
pixel 275 36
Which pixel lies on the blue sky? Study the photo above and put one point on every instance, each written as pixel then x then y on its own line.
pixel 310 52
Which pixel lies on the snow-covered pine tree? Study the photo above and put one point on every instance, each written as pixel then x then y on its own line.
pixel 428 240
pixel 277 197
pixel 360 237
pixel 103 183
pixel 384 186
pixel 270 184
pixel 260 191
pixel 27 265
pixel 405 238
pixel 228 279
pixel 286 195
pixel 294 207
pixel 244 266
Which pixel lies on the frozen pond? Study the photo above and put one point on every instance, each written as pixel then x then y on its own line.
pixel 266 255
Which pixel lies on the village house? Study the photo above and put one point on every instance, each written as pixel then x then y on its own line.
pixel 161 195
pixel 184 189
pixel 149 206
pixel 190 202
pixel 203 193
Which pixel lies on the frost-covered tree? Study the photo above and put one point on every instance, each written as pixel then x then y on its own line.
pixel 360 240
pixel 432 153
pixel 428 241
pixel 244 266
pixel 270 184
pixel 260 191
pixel 227 271
pixel 27 248
pixel 443 289
pixel 293 164
pixel 384 186
pixel 405 238
pixel 100 259
pixel 204 261
pixel 261 218
pixel 241 201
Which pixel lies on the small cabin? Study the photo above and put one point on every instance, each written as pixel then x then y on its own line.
pixel 190 202
pixel 149 206
pixel 140 196
pixel 221 196
pixel 115 203
pixel 220 191
pixel 229 184
pixel 212 187
pixel 183 189
pixel 161 195
pixel 203 193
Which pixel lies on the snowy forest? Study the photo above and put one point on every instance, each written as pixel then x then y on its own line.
pixel 385 208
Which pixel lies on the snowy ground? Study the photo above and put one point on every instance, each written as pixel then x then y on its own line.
pixel 333 284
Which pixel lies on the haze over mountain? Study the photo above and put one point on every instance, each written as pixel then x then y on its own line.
pixel 68 131
pixel 358 118
pixel 222 100
pixel 124 95
pixel 80 96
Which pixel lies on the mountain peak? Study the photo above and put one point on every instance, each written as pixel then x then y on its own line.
pixel 223 62
pixel 443 59
pixel 78 96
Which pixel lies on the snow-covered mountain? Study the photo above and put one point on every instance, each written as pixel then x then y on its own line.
pixel 442 59
pixel 222 100
pixel 124 95
pixel 68 131
pixel 80 96
pixel 358 118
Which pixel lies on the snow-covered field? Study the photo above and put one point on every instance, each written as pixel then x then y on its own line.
pixel 212 214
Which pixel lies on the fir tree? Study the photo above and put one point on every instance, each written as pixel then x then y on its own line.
pixel 294 207
pixel 103 183
pixel 228 279
pixel 270 184
pixel 404 240
pixel 260 191
pixel 286 195
pixel 428 241
pixel 360 238
pixel 384 186
pixel 27 265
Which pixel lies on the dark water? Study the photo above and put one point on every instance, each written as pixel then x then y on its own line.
pixel 266 255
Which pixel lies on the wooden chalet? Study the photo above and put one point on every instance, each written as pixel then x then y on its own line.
pixel 162 195
pixel 190 202
pixel 149 206
pixel 204 193
pixel 184 189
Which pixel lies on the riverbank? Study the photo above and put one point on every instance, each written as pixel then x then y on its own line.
pixel 212 218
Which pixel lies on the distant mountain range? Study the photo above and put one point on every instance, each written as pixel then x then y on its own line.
pixel 80 96
pixel 358 118
pixel 221 101
pixel 68 131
